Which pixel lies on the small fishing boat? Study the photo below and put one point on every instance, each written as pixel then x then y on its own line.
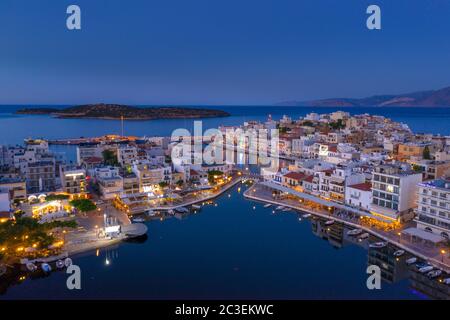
pixel 31 266
pixel 378 245
pixel 279 208
pixel 59 264
pixel 411 261
pixel 399 253
pixel 425 269
pixel 306 215
pixel 286 209
pixel 67 262
pixel 171 212
pixel 363 236
pixel 354 232
pixel 434 274
pixel 446 281
pixel 267 205
pixel 138 220
pixel 46 267
pixel 196 207
pixel 329 222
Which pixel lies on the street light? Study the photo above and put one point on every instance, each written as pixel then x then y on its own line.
pixel 443 252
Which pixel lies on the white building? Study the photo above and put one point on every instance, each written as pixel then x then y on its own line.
pixel 433 212
pixel 394 192
pixel 150 175
pixel 126 155
pixel 359 195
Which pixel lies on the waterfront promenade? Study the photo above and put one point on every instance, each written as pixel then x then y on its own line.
pixel 432 255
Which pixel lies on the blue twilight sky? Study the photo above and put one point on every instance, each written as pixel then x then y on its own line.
pixel 219 52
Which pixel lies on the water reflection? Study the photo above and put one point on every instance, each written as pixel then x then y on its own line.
pixel 393 269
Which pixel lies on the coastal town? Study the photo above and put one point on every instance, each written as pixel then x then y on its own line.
pixel 367 172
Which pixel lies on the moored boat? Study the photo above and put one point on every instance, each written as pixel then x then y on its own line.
pixel 138 220
pixel 354 232
pixel 267 205
pixel 363 236
pixel 59 264
pixel 411 261
pixel 46 267
pixel 426 269
pixel 279 208
pixel 446 281
pixel 378 245
pixel 31 267
pixel 196 207
pixel 434 273
pixel 287 209
pixel 182 210
pixel 399 253
pixel 329 222
pixel 306 215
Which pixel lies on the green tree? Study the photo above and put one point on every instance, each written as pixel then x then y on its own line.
pixel 84 205
pixel 109 158
pixel 53 197
pixel 426 153
pixel 163 184
pixel 213 175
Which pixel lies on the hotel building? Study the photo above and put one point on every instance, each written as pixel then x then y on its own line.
pixel 394 192
pixel 433 213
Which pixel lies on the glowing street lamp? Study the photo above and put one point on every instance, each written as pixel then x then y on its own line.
pixel 443 252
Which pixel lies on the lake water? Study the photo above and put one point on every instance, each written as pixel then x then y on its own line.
pixel 230 251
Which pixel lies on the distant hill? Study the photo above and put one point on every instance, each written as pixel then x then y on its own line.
pixel 117 111
pixel 432 98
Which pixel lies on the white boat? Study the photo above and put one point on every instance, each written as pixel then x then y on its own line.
pixel 354 232
pixel 279 208
pixel 59 264
pixel 434 273
pixel 150 213
pixel 329 222
pixel 138 220
pixel 364 236
pixel 182 210
pixel 426 269
pixel 447 281
pixel 287 209
pixel 196 207
pixel 306 215
pixel 171 212
pixel 411 261
pixel 67 262
pixel 378 245
pixel 267 205
pixel 46 267
pixel 399 253
pixel 31 267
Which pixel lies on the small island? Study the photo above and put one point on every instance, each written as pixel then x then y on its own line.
pixel 116 111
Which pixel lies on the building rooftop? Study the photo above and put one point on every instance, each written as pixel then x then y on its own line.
pixel 295 175
pixel 438 183
pixel 362 186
